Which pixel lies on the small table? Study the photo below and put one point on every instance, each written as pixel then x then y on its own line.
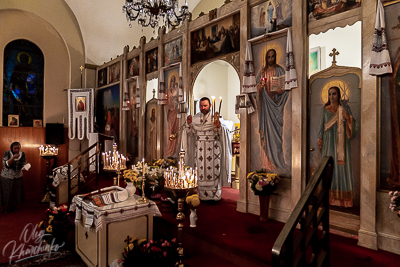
pixel 103 242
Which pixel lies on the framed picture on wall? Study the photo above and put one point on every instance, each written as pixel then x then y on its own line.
pixel 314 60
pixel 37 123
pixel 13 120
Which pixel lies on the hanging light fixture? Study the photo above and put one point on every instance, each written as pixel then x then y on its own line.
pixel 155 13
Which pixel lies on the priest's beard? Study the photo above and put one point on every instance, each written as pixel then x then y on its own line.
pixel 205 112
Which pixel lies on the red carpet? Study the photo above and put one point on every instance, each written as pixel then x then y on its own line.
pixel 244 235
pixel 219 224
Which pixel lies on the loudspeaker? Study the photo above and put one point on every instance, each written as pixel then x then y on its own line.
pixel 54 133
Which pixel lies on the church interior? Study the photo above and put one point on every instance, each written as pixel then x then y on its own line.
pixel 237 116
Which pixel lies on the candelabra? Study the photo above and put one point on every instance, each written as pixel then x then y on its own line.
pixel 114 162
pixel 181 185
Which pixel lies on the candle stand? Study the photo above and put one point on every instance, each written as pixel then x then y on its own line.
pixel 114 162
pixel 181 186
pixel 48 152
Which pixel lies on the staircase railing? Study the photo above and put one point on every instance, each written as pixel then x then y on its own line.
pixel 309 245
pixel 85 169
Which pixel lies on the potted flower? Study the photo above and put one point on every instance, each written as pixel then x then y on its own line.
pixel 131 180
pixel 263 184
pixel 193 201
pixel 395 202
pixel 56 225
pixel 140 252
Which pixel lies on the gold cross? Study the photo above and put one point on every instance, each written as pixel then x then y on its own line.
pixel 334 54
pixel 154 93
pixel 81 68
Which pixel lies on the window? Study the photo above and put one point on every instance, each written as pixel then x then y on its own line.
pixel 23 82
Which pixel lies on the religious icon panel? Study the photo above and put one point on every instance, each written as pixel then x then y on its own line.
pixel 323 9
pixel 217 39
pixel 107 111
pixel 271 142
pixel 152 60
pixel 133 67
pixel 270 16
pixel 80 103
pixel 173 52
pixel 171 110
pixel 334 123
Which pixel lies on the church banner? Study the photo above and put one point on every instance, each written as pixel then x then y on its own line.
pixel 80 109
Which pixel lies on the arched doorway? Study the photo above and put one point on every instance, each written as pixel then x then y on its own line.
pixel 220 79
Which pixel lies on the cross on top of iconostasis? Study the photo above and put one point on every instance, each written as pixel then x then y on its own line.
pixel 334 54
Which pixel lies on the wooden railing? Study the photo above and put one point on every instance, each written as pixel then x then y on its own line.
pixel 84 168
pixel 309 245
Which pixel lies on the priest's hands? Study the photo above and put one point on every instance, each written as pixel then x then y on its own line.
pixel 217 123
pixel 189 119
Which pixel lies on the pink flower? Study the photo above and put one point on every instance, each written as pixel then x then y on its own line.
pixel 165 254
pixel 174 240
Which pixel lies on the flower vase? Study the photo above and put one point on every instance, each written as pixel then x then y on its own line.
pixel 130 188
pixel 193 218
pixel 264 207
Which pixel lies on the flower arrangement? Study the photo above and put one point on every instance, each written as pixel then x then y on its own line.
pixel 140 252
pixel 263 183
pixel 164 163
pixel 131 176
pixel 395 202
pixel 193 201
pixel 56 225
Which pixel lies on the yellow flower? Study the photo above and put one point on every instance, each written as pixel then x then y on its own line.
pixel 249 175
pixel 130 175
pixel 130 246
pixel 193 200
pixel 49 229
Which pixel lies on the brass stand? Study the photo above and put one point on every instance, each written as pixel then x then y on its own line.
pixel 143 199
pixel 48 159
pixel 181 194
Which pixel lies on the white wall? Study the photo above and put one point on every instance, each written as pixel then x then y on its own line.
pixel 219 79
pixel 152 84
pixel 347 42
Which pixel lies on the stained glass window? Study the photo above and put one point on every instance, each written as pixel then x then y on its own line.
pixel 23 82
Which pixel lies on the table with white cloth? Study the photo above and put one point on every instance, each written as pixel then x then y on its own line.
pixel 100 231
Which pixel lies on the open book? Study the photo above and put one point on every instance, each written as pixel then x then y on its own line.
pixel 26 167
pixel 278 83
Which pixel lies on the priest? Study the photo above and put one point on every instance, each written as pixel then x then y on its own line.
pixel 206 140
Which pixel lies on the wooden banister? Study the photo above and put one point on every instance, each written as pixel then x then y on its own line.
pixel 83 162
pixel 309 245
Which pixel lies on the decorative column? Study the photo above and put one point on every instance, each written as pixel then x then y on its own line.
pixel 367 236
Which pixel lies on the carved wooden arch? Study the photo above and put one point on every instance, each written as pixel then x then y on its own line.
pixel 336 71
pixel 233 60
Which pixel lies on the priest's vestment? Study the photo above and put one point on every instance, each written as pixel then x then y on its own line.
pixel 210 151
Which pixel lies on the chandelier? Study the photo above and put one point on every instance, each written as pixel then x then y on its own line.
pixel 155 12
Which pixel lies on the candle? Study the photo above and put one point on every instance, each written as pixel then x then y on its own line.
pixel 220 101
pixel 213 104
pixel 143 166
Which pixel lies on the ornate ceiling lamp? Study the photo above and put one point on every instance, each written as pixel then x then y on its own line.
pixel 155 13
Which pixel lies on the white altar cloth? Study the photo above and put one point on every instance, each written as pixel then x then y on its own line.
pixel 127 209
